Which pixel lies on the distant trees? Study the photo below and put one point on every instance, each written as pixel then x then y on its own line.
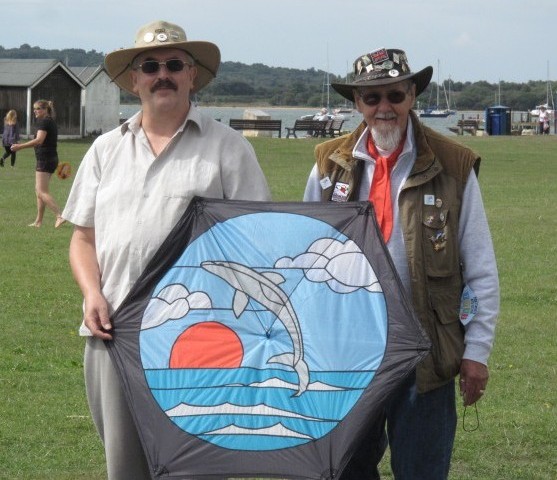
pixel 259 84
pixel 482 94
pixel 75 57
pixel 263 85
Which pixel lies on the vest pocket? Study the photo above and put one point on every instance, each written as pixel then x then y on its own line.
pixel 447 334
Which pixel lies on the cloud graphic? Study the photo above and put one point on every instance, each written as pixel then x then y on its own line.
pixel 171 303
pixel 342 266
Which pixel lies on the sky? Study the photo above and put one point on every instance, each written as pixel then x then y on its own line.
pixel 470 40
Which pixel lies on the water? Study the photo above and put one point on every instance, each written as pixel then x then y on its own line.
pixel 247 349
pixel 289 116
pixel 254 409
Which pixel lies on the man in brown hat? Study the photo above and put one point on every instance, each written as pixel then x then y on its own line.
pixel 428 206
pixel 132 186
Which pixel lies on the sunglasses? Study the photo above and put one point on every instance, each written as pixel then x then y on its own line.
pixel 373 98
pixel 152 66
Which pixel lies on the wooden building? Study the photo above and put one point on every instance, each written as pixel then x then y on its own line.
pixel 23 81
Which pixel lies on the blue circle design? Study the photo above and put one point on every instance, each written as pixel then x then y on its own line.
pixel 259 406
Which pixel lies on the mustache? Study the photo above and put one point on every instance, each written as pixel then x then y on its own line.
pixel 163 84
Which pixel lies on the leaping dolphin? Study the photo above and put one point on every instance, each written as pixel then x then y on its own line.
pixel 264 289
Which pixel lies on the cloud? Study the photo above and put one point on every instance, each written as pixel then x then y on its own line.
pixel 342 266
pixel 172 303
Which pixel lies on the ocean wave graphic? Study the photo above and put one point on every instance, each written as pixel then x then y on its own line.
pixel 277 430
pixel 278 383
pixel 186 410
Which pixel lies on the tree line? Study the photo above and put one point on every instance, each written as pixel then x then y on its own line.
pixel 258 84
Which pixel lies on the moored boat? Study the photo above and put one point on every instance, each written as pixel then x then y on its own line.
pixel 435 112
pixel 320 116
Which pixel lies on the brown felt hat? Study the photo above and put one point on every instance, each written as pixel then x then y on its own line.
pixel 160 34
pixel 383 67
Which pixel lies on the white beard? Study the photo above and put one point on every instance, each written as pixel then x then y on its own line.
pixel 387 138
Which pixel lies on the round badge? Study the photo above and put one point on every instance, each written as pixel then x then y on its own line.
pixel 394 73
pixel 162 37
pixel 148 37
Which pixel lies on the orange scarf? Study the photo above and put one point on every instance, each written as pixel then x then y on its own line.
pixel 380 191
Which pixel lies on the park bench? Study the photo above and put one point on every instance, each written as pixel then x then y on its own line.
pixel 467 125
pixel 334 127
pixel 256 124
pixel 316 128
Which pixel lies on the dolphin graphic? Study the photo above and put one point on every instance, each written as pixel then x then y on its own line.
pixel 264 289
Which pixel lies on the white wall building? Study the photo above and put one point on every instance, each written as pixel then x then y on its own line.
pixel 101 100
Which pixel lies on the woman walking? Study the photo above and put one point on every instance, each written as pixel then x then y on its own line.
pixel 10 136
pixel 45 144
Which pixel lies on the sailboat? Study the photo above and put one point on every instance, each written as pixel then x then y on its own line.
pixel 450 108
pixel 345 108
pixel 435 111
pixel 331 115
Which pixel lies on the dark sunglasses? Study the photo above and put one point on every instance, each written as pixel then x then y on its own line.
pixel 373 98
pixel 152 66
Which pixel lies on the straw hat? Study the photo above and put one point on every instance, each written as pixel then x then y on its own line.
pixel 383 67
pixel 160 34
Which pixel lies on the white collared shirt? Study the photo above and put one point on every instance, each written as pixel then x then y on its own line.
pixel 133 198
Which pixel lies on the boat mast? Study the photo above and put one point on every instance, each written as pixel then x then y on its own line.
pixel 328 81
pixel 549 92
pixel 437 101
pixel 447 99
pixel 328 92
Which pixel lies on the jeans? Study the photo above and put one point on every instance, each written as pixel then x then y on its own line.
pixel 8 153
pixel 420 429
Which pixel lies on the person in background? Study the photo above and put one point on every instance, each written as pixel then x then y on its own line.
pixel 543 121
pixel 10 135
pixel 322 115
pixel 427 202
pixel 131 189
pixel 45 145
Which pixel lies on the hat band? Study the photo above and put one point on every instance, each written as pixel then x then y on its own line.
pixel 377 75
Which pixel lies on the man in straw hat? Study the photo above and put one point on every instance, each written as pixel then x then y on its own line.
pixel 428 206
pixel 133 185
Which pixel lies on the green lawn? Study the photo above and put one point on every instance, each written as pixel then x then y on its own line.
pixel 45 428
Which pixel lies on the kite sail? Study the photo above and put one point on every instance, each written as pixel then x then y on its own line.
pixel 263 339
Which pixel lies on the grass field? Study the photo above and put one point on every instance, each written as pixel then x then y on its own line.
pixel 45 428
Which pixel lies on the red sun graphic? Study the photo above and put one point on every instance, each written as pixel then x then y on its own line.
pixel 207 345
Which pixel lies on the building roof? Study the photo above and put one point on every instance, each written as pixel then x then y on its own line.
pixel 28 72
pixel 87 74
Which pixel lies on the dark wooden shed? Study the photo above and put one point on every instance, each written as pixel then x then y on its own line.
pixel 23 82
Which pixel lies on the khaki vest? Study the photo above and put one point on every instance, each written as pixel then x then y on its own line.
pixel 429 206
